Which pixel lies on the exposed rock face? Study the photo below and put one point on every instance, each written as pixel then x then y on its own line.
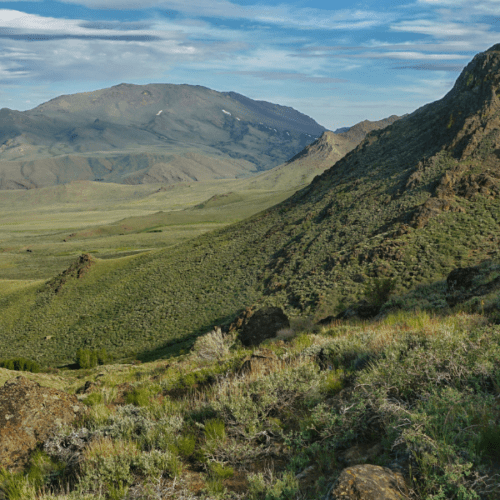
pixel 263 324
pixel 77 270
pixel 29 415
pixel 368 482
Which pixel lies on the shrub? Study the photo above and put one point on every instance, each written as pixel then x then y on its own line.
pixel 285 334
pixel 215 430
pixel 86 358
pixel 489 442
pixel 333 383
pixel 107 463
pixel 186 445
pixel 213 345
pixel 378 291
pixel 93 399
pixel 221 471
pixel 138 397
pixel 271 488
pixel 20 364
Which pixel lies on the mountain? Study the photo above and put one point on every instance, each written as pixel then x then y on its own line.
pixel 318 156
pixel 148 133
pixel 409 204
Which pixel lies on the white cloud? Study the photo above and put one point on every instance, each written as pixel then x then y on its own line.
pixel 280 76
pixel 485 6
pixel 439 29
pixel 284 15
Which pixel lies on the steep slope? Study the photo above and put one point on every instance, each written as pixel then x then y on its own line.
pixel 411 202
pixel 318 156
pixel 148 133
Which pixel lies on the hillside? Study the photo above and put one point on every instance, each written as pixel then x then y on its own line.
pixel 410 203
pixel 317 157
pixel 148 133
pixel 40 235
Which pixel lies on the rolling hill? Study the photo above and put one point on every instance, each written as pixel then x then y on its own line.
pixel 409 204
pixel 148 133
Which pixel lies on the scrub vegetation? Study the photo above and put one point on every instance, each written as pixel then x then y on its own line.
pixel 421 387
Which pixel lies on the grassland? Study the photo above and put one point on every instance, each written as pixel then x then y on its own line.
pixel 42 231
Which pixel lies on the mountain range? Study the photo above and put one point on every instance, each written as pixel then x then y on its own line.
pixel 148 133
pixel 407 205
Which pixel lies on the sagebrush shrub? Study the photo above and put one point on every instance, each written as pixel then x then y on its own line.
pixel 213 345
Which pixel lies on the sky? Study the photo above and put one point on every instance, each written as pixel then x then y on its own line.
pixel 338 61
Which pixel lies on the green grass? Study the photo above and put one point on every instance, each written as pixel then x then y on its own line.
pixel 427 401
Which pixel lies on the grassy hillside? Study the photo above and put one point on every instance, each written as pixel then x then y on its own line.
pixel 410 203
pixel 415 392
pixel 370 216
pixel 43 230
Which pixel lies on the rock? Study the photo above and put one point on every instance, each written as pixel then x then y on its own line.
pixel 263 324
pixel 262 362
pixel 241 319
pixel 368 482
pixel 29 415
pixel 362 453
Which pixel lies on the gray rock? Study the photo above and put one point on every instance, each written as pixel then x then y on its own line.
pixel 368 482
pixel 263 324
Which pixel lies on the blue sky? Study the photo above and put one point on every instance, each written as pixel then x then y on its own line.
pixel 338 61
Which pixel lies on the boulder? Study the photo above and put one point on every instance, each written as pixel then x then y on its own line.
pixel 368 482
pixel 362 453
pixel 263 324
pixel 29 415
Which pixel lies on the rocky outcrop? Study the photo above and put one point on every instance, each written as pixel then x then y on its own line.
pixel 368 482
pixel 76 271
pixel 263 324
pixel 29 415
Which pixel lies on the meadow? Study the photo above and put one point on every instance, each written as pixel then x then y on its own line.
pixel 42 231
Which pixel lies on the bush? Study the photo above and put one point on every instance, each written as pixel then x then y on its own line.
pixel 221 471
pixel 138 397
pixel 271 488
pixel 378 292
pixel 186 445
pixel 20 364
pixel 215 430
pixel 213 345
pixel 85 358
pixel 93 399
